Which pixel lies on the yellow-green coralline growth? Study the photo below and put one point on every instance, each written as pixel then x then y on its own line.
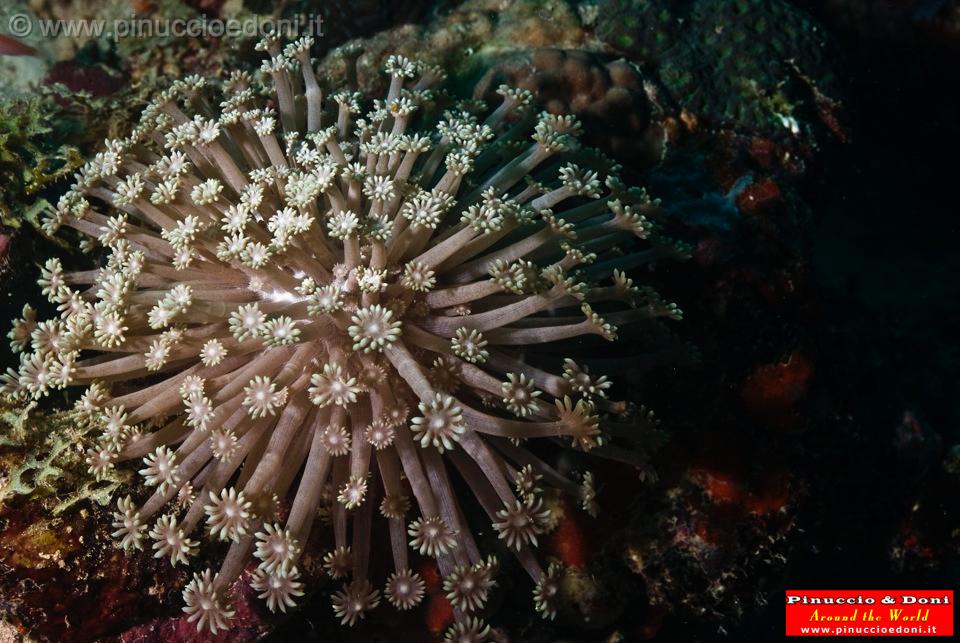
pixel 32 154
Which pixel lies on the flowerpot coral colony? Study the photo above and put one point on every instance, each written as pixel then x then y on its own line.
pixel 294 297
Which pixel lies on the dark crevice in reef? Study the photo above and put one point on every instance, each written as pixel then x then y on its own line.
pixel 884 267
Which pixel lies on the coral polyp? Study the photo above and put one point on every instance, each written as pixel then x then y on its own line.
pixel 302 308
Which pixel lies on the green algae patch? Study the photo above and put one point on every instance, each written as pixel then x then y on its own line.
pixel 41 457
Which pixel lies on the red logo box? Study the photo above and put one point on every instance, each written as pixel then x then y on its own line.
pixel 860 612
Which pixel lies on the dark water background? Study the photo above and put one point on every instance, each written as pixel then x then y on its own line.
pixel 886 267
